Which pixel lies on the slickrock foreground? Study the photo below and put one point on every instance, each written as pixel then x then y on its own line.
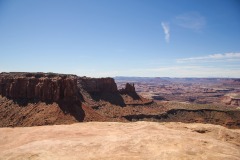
pixel 114 140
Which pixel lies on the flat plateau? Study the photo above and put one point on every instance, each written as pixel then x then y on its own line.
pixel 115 140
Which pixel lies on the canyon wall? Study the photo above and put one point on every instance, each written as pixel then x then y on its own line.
pixel 39 86
pixel 30 99
pixel 55 87
pixel 97 85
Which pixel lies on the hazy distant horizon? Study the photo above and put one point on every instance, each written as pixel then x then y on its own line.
pixel 120 76
pixel 104 38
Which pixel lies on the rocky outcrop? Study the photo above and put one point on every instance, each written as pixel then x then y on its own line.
pixel 131 97
pixel 129 88
pixel 53 87
pixel 29 99
pixel 96 85
pixel 38 86
pixel 231 99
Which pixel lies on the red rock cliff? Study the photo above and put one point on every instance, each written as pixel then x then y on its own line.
pixel 231 99
pixel 95 85
pixel 129 88
pixel 44 87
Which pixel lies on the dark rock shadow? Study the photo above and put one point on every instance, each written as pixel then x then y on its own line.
pixel 226 118
pixel 23 102
pixel 80 96
pixel 134 95
pixel 113 98
pixel 72 108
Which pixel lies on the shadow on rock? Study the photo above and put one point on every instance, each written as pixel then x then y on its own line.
pixel 113 98
pixel 72 108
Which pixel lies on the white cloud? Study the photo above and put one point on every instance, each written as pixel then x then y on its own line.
pixel 166 30
pixel 191 20
pixel 212 58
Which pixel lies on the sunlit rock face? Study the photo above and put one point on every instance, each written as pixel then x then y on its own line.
pixel 40 86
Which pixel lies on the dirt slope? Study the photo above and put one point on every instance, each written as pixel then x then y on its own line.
pixel 114 140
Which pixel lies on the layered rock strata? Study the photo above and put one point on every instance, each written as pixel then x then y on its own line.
pixel 231 99
pixel 40 86
pixel 94 85
pixel 30 99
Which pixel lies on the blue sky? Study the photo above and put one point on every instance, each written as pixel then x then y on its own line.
pixel 101 38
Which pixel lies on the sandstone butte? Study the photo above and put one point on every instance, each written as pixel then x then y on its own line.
pixel 29 99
